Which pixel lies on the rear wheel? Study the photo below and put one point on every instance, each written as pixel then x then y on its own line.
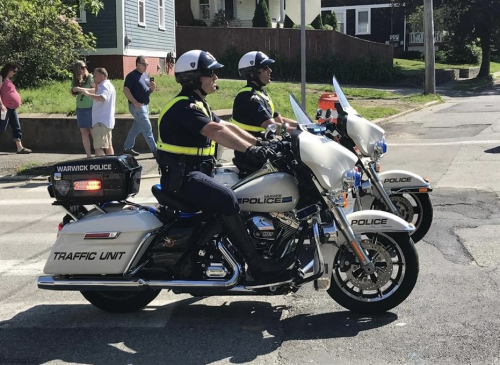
pixel 413 208
pixel 121 301
pixel 396 272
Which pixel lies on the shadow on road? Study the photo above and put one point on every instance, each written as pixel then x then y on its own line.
pixel 183 332
pixel 493 150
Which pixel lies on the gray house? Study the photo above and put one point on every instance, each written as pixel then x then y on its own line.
pixel 125 29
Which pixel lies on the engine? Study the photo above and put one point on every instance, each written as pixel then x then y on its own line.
pixel 273 233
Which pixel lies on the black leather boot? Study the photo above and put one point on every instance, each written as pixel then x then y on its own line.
pixel 261 269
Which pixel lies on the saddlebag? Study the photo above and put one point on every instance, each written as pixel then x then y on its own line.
pixel 95 180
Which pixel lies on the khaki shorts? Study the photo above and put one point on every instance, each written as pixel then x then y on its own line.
pixel 101 136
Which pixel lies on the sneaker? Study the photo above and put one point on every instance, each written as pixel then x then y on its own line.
pixel 131 152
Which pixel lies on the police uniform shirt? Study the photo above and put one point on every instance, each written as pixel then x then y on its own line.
pixel 138 84
pixel 182 123
pixel 251 109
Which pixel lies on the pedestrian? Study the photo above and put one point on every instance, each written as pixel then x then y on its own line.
pixel 83 79
pixel 137 88
pixel 187 133
pixel 253 108
pixel 103 112
pixel 10 100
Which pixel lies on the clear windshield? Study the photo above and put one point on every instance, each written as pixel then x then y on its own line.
pixel 300 115
pixel 342 98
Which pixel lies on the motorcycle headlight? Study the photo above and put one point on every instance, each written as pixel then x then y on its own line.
pixel 352 178
pixel 381 147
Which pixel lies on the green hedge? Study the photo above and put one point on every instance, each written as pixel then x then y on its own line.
pixel 365 69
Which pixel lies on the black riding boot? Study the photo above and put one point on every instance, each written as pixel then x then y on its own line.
pixel 262 269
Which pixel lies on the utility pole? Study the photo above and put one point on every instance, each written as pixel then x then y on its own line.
pixel 303 52
pixel 430 60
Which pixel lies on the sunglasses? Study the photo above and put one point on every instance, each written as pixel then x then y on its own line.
pixel 83 67
pixel 208 73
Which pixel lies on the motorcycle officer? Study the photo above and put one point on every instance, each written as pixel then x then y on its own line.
pixel 253 108
pixel 187 134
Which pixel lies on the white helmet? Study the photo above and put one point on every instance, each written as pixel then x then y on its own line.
pixel 251 62
pixel 194 64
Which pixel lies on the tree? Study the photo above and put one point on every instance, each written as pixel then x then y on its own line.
pixel 331 19
pixel 43 38
pixel 261 18
pixel 470 22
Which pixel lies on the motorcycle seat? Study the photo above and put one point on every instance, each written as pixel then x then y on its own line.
pixel 171 201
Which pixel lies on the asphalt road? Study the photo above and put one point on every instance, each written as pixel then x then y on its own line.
pixel 452 316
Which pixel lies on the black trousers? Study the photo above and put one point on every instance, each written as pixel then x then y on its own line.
pixel 203 192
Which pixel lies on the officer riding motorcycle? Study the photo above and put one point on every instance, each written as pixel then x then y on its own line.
pixel 253 108
pixel 188 131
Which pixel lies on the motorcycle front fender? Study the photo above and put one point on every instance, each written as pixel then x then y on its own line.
pixel 399 181
pixel 367 221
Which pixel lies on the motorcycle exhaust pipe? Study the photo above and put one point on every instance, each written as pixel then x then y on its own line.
pixel 62 283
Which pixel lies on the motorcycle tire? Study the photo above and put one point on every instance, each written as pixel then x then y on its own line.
pixel 397 267
pixel 121 301
pixel 421 207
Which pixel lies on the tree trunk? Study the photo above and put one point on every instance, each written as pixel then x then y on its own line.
pixel 484 71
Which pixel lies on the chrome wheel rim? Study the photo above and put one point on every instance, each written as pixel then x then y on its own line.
pixel 390 268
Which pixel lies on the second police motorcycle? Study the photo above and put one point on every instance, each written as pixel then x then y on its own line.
pixel 400 192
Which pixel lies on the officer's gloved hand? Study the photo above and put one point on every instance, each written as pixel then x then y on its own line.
pixel 260 153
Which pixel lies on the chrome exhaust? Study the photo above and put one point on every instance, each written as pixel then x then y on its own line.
pixel 51 282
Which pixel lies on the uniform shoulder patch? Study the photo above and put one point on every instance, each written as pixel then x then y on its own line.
pixel 254 98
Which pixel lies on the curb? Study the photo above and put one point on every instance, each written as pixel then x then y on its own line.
pixel 427 105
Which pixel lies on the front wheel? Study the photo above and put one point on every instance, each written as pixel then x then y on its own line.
pixel 121 301
pixel 413 208
pixel 396 271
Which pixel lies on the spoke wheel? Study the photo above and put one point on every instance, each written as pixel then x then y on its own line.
pixel 396 271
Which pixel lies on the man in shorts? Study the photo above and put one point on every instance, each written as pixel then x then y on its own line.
pixel 103 112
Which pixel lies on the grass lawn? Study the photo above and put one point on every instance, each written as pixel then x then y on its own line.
pixel 55 98
pixel 414 65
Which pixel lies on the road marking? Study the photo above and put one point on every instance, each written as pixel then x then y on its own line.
pixel 456 143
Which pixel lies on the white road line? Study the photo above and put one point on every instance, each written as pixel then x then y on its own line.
pixel 456 143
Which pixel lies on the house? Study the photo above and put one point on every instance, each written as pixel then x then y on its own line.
pixel 241 11
pixel 380 21
pixel 125 29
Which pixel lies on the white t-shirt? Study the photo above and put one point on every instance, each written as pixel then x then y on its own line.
pixel 104 111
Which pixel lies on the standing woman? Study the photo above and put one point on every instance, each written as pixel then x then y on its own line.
pixel 10 100
pixel 82 79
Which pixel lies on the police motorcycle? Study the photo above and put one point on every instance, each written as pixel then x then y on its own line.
pixel 396 191
pixel 120 255
pixel 400 192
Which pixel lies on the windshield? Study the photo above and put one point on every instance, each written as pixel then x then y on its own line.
pixel 300 115
pixel 342 98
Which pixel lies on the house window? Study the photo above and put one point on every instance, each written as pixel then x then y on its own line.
pixel 204 9
pixel 363 25
pixel 81 14
pixel 161 14
pixel 340 21
pixel 141 6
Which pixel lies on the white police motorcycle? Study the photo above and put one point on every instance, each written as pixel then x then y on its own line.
pixel 120 254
